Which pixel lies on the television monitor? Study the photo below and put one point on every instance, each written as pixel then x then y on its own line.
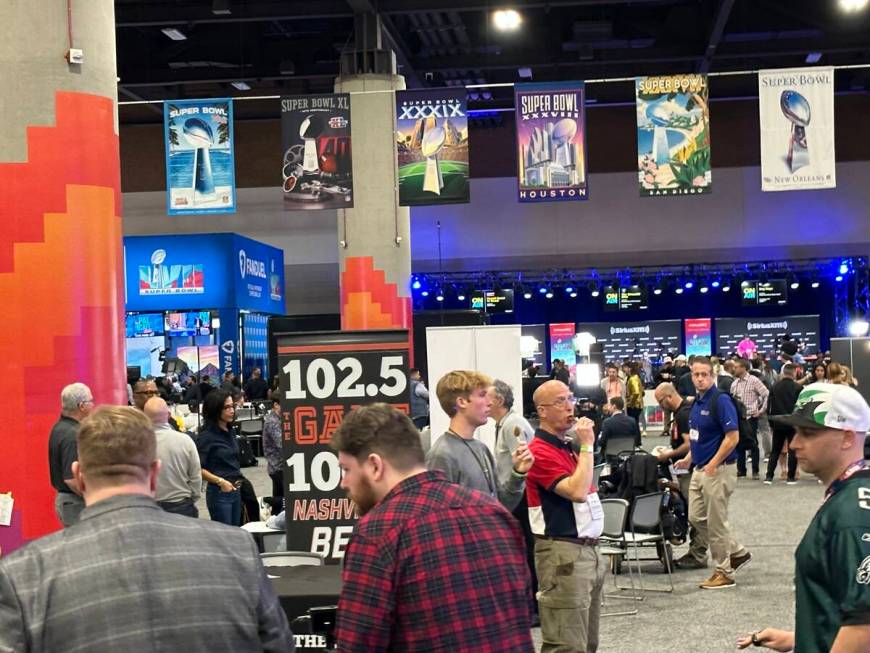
pixel 764 293
pixel 144 353
pixel 625 298
pixel 144 325
pixel 188 323
pixel 493 301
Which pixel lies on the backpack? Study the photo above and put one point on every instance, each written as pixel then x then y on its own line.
pixel 246 452
pixel 638 474
pixel 739 406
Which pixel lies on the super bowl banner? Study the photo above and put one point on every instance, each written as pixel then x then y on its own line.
pixel 432 147
pixel 551 142
pixel 315 133
pixel 797 128
pixel 200 163
pixel 673 135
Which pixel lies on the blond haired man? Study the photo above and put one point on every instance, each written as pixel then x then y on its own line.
pixel 468 462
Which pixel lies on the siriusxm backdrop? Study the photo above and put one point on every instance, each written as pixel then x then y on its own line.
pixel 202 271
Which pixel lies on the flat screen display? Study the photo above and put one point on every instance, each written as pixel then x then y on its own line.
pixel 625 298
pixel 764 293
pixel 144 325
pixel 493 301
pixel 190 323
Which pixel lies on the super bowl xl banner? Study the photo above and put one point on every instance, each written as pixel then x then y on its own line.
pixel 200 162
pixel 797 128
pixel 551 142
pixel 432 147
pixel 673 135
pixel 315 133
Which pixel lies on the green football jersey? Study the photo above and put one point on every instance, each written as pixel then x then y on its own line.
pixel 832 567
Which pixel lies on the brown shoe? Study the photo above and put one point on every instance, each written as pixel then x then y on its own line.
pixel 717 581
pixel 741 562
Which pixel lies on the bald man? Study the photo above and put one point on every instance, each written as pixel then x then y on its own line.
pixel 566 518
pixel 179 481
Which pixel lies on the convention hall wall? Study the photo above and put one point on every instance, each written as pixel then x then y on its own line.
pixel 614 227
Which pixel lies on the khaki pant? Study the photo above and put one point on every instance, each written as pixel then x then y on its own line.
pixel 708 514
pixel 696 549
pixel 570 580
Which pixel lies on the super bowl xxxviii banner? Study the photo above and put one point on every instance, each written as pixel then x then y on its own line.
pixel 200 164
pixel 432 146
pixel 797 128
pixel 673 135
pixel 551 131
pixel 317 170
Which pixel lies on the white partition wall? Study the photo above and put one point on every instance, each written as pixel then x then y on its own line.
pixel 493 350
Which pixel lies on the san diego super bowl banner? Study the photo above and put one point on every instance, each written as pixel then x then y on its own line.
pixel 797 128
pixel 317 170
pixel 432 147
pixel 200 163
pixel 673 135
pixel 551 142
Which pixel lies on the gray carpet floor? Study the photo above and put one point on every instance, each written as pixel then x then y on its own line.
pixel 768 519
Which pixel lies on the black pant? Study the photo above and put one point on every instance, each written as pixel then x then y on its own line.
pixel 781 438
pixel 277 484
pixel 634 413
pixel 184 507
pixel 521 513
pixel 748 443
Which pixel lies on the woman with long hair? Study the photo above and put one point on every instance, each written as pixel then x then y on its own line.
pixel 820 373
pixel 219 458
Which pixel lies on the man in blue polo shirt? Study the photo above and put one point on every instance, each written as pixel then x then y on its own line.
pixel 713 437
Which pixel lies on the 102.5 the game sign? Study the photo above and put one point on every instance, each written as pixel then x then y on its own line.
pixel 324 376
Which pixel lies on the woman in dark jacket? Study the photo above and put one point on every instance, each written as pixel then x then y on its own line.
pixel 219 458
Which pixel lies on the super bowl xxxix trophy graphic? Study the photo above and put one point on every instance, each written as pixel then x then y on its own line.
pixel 433 141
pixel 797 110
pixel 199 134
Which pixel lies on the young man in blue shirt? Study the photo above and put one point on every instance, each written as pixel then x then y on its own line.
pixel 713 437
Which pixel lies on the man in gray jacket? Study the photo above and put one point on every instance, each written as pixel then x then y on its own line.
pixel 130 576
pixel 463 396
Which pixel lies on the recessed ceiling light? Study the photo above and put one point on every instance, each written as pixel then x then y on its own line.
pixel 174 34
pixel 813 57
pixel 853 5
pixel 507 20
pixel 241 86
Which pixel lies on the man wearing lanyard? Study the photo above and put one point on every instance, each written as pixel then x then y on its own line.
pixel 567 519
pixel 713 435
pixel 465 460
pixel 832 562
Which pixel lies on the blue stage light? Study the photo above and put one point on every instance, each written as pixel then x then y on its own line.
pixel 689 284
pixel 416 284
pixel 844 268
pixel 569 289
pixel 543 290
pixel 425 293
pixel 716 283
pixel 839 277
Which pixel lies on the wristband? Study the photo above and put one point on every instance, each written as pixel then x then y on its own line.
pixel 518 474
pixel 587 448
pixel 755 640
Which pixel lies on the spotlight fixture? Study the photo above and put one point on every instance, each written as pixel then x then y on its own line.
pixel 241 86
pixel 573 294
pixel 425 293
pixel 595 292
pixel 839 277
pixel 795 284
pixel 679 290
pixel 543 290
pixel 716 283
pixel 507 20
pixel 174 34
pixel 858 328
pixel 527 294
pixel 726 286
pixel 844 267
pixel 814 283
pixel 416 284
pixel 440 296
pixel 549 295
pixel 461 296
pixel 689 284
pixel 657 290
pixel 851 6
pixel 569 289
pixel 704 288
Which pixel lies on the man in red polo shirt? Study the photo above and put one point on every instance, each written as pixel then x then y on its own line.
pixel 566 519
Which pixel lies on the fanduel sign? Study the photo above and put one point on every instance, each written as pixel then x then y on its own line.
pixel 249 266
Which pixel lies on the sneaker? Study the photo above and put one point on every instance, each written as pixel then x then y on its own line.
pixel 756 476
pixel 791 482
pixel 717 581
pixel 689 561
pixel 741 474
pixel 768 481
pixel 741 562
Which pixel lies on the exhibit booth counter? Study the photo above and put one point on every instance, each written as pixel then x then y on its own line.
pixel 200 303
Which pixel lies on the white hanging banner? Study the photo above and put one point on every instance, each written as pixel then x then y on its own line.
pixel 796 108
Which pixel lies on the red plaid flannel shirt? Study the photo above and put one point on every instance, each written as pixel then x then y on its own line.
pixel 435 567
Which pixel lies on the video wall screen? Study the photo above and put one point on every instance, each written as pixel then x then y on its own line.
pixel 144 352
pixel 533 344
pixel 144 325
pixel 652 339
pixel 189 323
pixel 747 335
pixel 764 293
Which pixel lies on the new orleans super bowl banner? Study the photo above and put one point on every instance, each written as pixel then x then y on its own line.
pixel 432 147
pixel 797 128
pixel 673 135
pixel 551 142
pixel 200 162
pixel 315 132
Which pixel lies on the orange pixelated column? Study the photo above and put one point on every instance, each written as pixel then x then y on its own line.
pixel 61 286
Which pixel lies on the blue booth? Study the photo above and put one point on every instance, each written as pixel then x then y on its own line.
pixel 201 298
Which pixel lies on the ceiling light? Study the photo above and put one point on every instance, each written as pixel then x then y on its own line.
pixel 461 296
pixel 595 292
pixel 241 86
pixel 507 20
pixel 221 7
pixel 425 293
pixel 795 284
pixel 815 283
pixel 549 295
pixel 858 328
pixel 569 289
pixel 689 285
pixel 174 34
pixel 657 291
pixel 716 283
pixel 813 57
pixel 527 294
pixel 573 294
pixel 839 277
pixel 679 290
pixel 524 72
pixel 416 285
pixel 704 289
pixel 439 297
pixel 853 5
pixel 726 286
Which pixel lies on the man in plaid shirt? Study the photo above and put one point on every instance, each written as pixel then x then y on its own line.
pixel 431 566
pixel 752 393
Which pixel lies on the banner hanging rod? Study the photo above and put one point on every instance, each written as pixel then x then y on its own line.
pixel 608 80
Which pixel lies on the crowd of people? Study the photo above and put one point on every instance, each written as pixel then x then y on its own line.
pixel 460 547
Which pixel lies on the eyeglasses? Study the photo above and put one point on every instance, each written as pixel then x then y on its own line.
pixel 561 402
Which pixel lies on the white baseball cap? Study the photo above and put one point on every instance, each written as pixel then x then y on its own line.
pixel 828 406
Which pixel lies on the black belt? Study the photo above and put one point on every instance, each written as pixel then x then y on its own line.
pixel 700 468
pixel 582 541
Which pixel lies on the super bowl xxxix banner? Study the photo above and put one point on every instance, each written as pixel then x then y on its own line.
pixel 432 147
pixel 551 137
pixel 673 135
pixel 797 128
pixel 200 164
pixel 317 170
